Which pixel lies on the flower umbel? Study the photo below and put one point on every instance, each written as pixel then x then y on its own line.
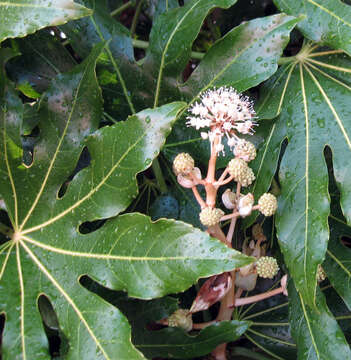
pixel 225 112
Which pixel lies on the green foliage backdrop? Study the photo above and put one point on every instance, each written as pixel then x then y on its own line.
pixel 104 95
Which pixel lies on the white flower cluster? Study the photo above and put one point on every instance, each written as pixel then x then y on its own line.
pixel 225 112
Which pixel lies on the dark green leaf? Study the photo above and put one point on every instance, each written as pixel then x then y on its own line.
pixel 47 254
pixel 313 99
pixel 326 21
pixel 176 343
pixel 316 332
pixel 19 18
pixel 168 54
pixel 42 57
pixel 338 260
pixel 244 57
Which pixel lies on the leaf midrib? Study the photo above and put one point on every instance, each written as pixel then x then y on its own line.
pixel 114 257
pixel 159 77
pixel 67 297
pixel 329 12
pixel 89 194
pixel 37 198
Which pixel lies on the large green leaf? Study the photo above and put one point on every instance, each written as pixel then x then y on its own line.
pixel 42 57
pixel 22 17
pixel 313 99
pixel 243 58
pixel 47 254
pixel 316 332
pixel 168 54
pixel 326 21
pixel 118 73
pixel 128 86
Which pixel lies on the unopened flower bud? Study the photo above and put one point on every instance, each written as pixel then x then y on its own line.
pixel 181 318
pixel 321 275
pixel 267 204
pixel 245 150
pixel 267 267
pixel 210 216
pixel 245 204
pixel 212 291
pixel 183 164
pixel 229 199
pixel 240 171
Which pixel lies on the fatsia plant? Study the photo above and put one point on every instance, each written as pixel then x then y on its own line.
pixel 94 110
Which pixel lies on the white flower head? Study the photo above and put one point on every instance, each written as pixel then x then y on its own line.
pixel 225 112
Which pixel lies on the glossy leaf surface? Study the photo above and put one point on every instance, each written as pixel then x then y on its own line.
pixel 22 17
pixel 312 97
pixel 316 332
pixel 326 21
pixel 47 254
pixel 176 343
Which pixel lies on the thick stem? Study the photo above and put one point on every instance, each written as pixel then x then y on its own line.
pixel 225 313
pixel 210 178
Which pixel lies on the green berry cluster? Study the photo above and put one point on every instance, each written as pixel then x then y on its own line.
pixel 210 216
pixel 241 172
pixel 267 267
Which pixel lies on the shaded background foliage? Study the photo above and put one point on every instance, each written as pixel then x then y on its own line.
pixel 151 53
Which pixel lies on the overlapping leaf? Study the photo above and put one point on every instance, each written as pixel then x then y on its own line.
pixel 243 58
pixel 20 17
pixel 47 254
pixel 172 342
pixel 270 328
pixel 326 21
pixel 127 86
pixel 316 332
pixel 312 96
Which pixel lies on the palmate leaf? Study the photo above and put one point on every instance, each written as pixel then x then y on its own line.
pixel 312 96
pixel 316 332
pixel 47 254
pixel 22 17
pixel 326 21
